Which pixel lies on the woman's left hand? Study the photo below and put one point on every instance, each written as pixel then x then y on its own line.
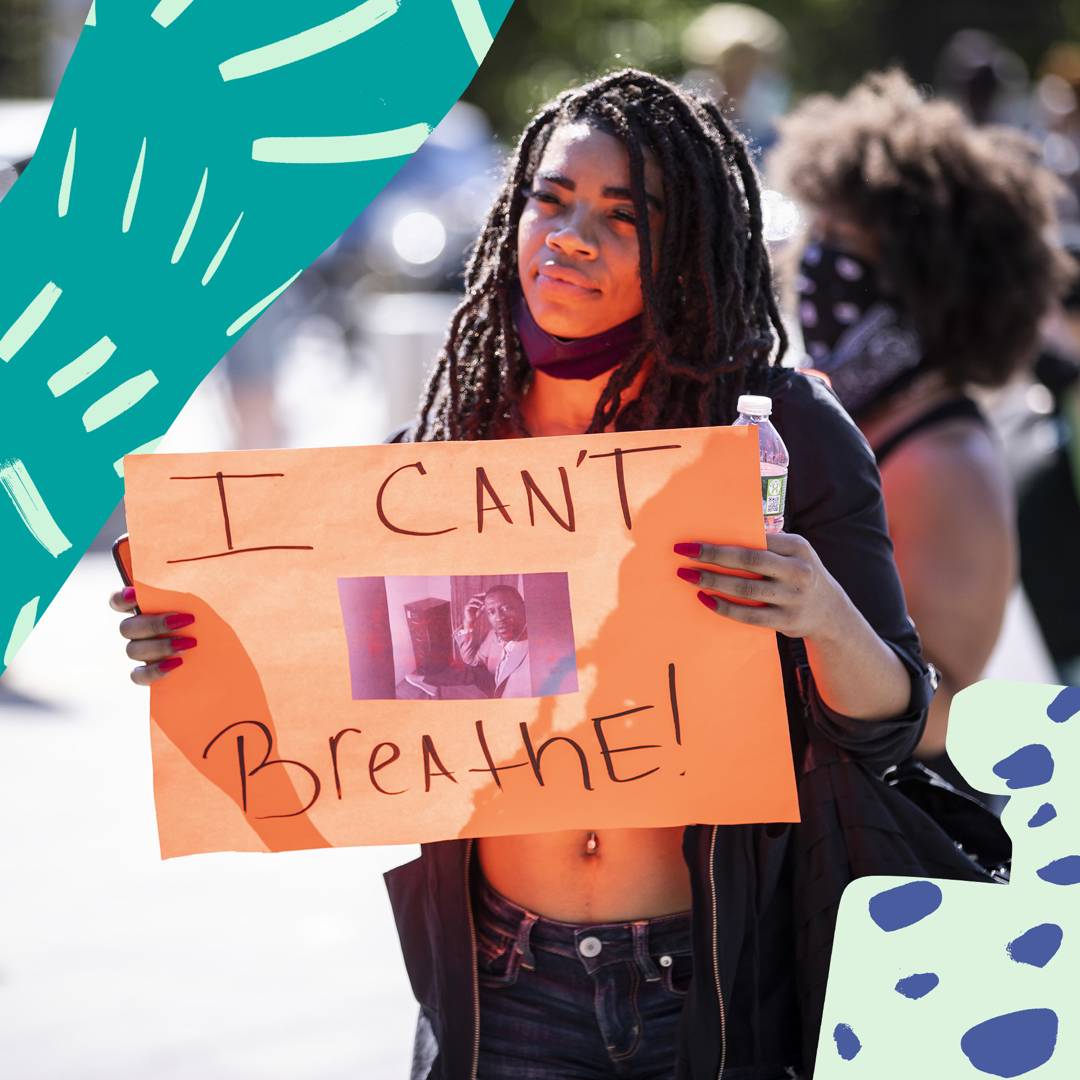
pixel 795 595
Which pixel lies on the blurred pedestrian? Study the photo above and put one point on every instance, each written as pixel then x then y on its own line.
pixel 1049 493
pixel 1057 115
pixel 985 78
pixel 738 54
pixel 927 269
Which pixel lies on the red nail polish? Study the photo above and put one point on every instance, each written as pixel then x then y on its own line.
pixel 689 574
pixel 129 594
pixel 692 550
pixel 707 600
pixel 174 622
pixel 179 644
pixel 168 665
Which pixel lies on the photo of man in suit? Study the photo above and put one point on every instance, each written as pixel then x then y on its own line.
pixel 459 637
pixel 500 657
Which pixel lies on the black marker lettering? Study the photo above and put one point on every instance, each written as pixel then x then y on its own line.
pixel 419 467
pixel 264 764
pixel 609 752
pixel 535 755
pixel 620 472
pixel 430 755
pixel 374 765
pixel 491 766
pixel 484 484
pixel 334 740
pixel 531 489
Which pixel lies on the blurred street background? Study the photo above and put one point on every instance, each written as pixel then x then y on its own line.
pixel 116 965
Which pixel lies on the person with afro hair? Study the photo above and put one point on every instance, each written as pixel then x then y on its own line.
pixel 928 266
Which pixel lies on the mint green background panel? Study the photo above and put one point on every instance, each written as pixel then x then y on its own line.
pixel 199 155
pixel 999 1008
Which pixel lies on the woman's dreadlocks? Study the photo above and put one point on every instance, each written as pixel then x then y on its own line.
pixel 710 316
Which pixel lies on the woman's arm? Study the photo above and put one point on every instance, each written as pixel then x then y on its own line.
pixel 951 519
pixel 856 673
pixel 869 687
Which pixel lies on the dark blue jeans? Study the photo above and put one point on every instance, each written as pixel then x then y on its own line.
pixel 563 1001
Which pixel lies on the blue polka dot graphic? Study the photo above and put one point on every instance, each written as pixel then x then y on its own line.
pixel 1065 706
pixel 847 1042
pixel 961 980
pixel 1037 946
pixel 1028 767
pixel 905 905
pixel 1065 871
pixel 917 986
pixel 1013 1044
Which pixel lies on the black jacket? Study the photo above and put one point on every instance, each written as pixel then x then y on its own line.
pixel 742 1019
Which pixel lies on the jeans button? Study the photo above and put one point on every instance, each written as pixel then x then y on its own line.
pixel 665 961
pixel 589 946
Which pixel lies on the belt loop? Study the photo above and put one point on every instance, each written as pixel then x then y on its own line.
pixel 644 960
pixel 523 943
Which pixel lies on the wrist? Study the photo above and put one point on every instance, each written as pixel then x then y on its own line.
pixel 838 622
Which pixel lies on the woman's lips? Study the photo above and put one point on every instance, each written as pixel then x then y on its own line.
pixel 560 287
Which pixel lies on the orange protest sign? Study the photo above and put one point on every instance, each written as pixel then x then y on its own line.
pixel 423 641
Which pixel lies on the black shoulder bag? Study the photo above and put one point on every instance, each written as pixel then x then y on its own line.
pixel 906 822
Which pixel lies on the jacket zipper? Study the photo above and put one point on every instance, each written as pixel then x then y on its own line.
pixel 472 953
pixel 715 953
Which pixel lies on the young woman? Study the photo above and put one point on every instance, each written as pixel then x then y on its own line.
pixel 930 267
pixel 621 282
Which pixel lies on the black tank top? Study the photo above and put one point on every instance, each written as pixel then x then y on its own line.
pixel 939 414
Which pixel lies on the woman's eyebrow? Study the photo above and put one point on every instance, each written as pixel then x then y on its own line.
pixel 608 192
pixel 625 193
pixel 558 178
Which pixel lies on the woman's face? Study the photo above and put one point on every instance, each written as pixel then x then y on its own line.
pixel 577 241
pixel 835 228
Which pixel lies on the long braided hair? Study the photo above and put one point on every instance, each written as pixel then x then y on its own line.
pixel 710 316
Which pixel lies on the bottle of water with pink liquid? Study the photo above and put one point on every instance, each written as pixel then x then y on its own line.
pixel 755 411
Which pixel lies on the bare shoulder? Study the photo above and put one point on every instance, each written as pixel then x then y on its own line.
pixel 959 452
pixel 950 476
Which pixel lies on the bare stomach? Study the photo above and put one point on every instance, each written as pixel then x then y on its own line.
pixel 634 874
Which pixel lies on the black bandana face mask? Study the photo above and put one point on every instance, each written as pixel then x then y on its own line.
pixel 853 332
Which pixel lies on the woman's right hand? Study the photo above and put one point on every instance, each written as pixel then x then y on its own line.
pixel 152 638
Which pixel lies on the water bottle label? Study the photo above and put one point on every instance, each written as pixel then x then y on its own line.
pixel 773 493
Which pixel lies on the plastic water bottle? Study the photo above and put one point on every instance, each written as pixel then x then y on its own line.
pixel 755 410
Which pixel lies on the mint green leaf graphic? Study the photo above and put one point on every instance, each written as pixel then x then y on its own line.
pixel 1004 957
pixel 199 155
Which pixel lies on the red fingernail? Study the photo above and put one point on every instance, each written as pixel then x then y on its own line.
pixel 179 644
pixel 172 662
pixel 128 594
pixel 707 600
pixel 688 574
pixel 174 622
pixel 693 550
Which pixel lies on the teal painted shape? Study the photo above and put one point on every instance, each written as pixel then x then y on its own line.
pixel 145 166
pixel 969 942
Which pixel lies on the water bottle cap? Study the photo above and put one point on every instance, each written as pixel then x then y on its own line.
pixel 755 405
